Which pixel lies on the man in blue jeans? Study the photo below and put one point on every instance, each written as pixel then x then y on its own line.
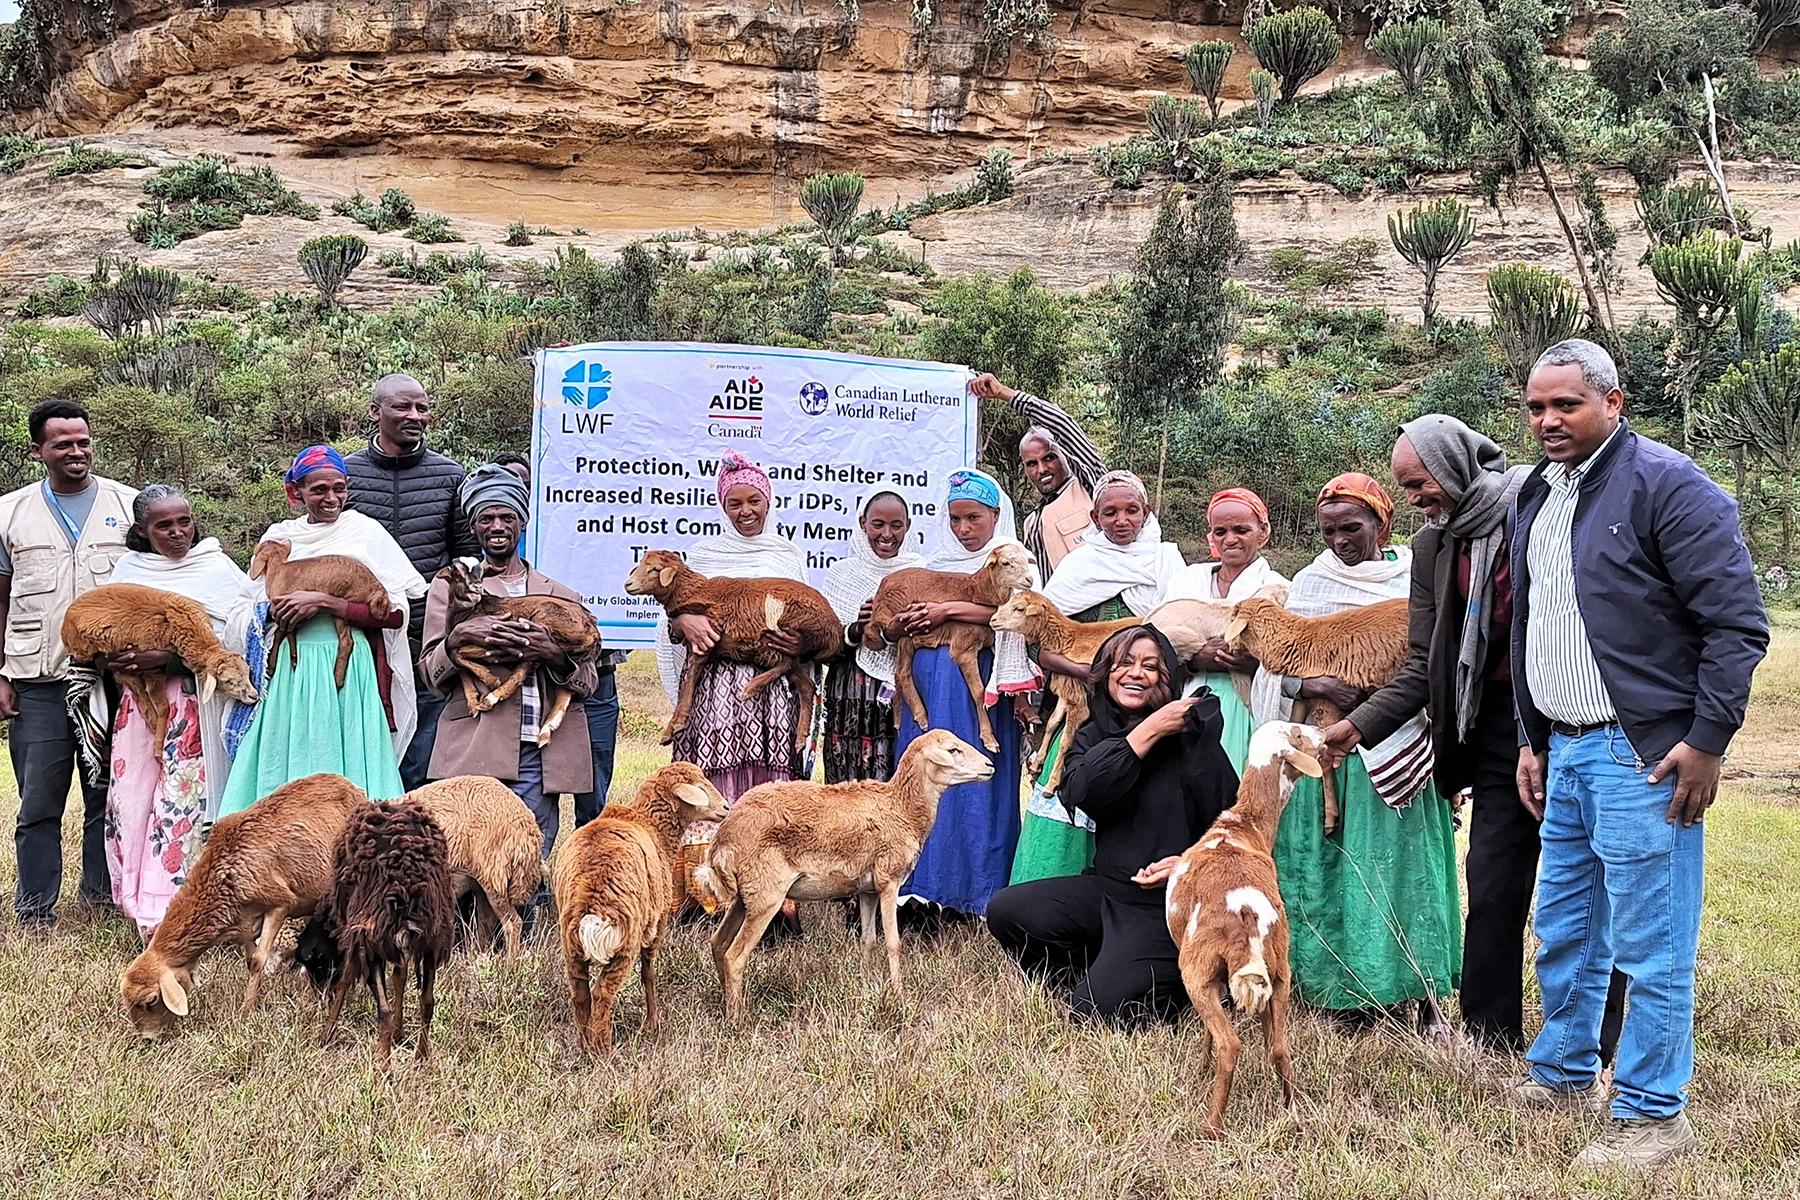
pixel 1636 626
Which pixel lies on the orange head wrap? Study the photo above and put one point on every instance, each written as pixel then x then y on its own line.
pixel 1244 496
pixel 1361 489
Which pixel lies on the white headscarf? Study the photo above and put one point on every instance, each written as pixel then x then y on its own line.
pixel 730 555
pixel 1013 669
pixel 1098 569
pixel 853 579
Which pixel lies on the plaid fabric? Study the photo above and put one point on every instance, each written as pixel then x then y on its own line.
pixel 529 709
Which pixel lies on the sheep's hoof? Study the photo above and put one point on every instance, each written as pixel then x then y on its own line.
pixel 1035 763
pixel 488 701
pixel 543 736
pixel 991 742
pixel 668 735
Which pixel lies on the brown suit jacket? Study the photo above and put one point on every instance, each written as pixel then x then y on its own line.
pixel 488 744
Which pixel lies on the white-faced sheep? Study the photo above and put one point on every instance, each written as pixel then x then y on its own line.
pixel 1006 570
pixel 569 624
pixel 615 893
pixel 812 841
pixel 1224 909
pixel 260 866
pixel 742 611
pixel 1039 621
pixel 333 574
pixel 117 617
pixel 493 841
pixel 1190 624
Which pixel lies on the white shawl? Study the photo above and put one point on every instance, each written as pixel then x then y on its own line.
pixel 1098 569
pixel 1013 669
pixel 209 578
pixel 1401 765
pixel 852 580
pixel 730 555
pixel 1195 582
pixel 366 540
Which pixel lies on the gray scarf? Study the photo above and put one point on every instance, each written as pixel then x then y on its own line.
pixel 1473 474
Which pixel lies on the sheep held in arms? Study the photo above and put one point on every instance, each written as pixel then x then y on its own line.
pixel 1428 237
pixel 831 200
pixel 1296 45
pixel 1206 63
pixel 1413 49
pixel 328 261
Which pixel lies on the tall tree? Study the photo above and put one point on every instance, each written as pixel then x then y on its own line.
pixel 1755 407
pixel 1428 237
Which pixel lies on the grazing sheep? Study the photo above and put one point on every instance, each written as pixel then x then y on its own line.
pixel 260 866
pixel 335 575
pixel 1365 647
pixel 615 893
pixel 1190 624
pixel 494 842
pixel 1006 570
pixel 742 610
pixel 812 841
pixel 117 617
pixel 569 624
pixel 391 909
pixel 1224 910
pixel 1039 621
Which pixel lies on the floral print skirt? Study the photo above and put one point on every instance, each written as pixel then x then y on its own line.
pixel 155 808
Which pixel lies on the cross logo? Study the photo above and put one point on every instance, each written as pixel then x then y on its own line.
pixel 586 385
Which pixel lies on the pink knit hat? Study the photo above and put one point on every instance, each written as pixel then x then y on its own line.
pixel 737 471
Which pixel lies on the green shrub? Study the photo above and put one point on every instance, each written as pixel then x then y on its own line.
pixel 1532 310
pixel 517 234
pixel 395 210
pixel 994 174
pixel 328 261
pixel 1174 124
pixel 160 229
pixel 1124 163
pixel 1429 237
pixel 432 229
pixel 82 159
pixel 206 192
pixel 1206 63
pixel 1003 20
pixel 17 149
pixel 56 296
pixel 1296 45
pixel 831 200
pixel 1413 49
pixel 1263 89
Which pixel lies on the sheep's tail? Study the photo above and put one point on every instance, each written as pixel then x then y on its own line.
pixel 773 607
pixel 716 878
pixel 600 939
pixel 1250 987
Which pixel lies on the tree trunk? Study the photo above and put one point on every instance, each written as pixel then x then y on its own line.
pixel 1602 314
pixel 1162 461
pixel 1712 160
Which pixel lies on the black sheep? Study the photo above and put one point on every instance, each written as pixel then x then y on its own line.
pixel 392 907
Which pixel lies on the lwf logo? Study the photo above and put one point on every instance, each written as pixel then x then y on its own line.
pixel 586 385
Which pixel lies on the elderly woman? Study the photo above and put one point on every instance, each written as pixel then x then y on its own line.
pixel 1237 529
pixel 163 798
pixel 1120 568
pixel 306 723
pixel 1376 921
pixel 1148 768
pixel 859 686
pixel 969 854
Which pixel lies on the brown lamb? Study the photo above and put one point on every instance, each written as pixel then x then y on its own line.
pixel 742 610
pixel 615 894
pixel 1006 570
pixel 1365 647
pixel 1040 621
pixel 1224 911
pixel 391 909
pixel 117 617
pixel 1190 624
pixel 494 843
pixel 568 623
pixel 334 574
pixel 261 866
pixel 814 841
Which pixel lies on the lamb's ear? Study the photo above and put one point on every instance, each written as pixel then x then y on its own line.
pixel 208 685
pixel 174 997
pixel 665 577
pixel 694 794
pixel 259 566
pixel 1305 763
pixel 1234 629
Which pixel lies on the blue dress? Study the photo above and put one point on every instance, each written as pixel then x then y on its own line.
pixel 969 855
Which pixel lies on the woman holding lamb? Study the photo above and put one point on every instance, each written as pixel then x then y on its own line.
pixel 1237 530
pixel 306 723
pixel 859 685
pixel 1120 568
pixel 1376 920
pixel 163 798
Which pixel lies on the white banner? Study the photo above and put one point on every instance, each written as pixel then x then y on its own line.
pixel 627 438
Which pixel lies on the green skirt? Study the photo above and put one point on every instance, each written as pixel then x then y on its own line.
pixel 1374 916
pixel 1049 845
pixel 1238 723
pixel 305 725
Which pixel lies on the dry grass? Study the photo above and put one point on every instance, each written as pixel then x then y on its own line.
pixel 976 1086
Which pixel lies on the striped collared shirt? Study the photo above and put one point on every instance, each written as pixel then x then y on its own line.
pixel 1560 671
pixel 528 691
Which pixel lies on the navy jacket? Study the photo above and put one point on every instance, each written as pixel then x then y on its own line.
pixel 1664 583
pixel 413 496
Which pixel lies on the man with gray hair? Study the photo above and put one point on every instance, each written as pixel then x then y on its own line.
pixel 1061 463
pixel 1636 627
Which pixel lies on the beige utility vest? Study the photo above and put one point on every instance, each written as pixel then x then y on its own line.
pixel 1064 519
pixel 48 574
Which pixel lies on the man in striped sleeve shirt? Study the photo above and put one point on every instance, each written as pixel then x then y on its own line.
pixel 1061 463
pixel 1636 626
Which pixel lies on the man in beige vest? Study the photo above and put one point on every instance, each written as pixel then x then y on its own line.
pixel 1060 462
pixel 58 538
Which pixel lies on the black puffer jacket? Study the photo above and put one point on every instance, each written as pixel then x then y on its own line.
pixel 413 496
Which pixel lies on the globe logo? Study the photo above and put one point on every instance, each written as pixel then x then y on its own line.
pixel 814 399
pixel 586 384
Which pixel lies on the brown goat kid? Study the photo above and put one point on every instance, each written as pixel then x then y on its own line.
pixel 335 575
pixel 812 841
pixel 1006 570
pixel 117 617
pixel 493 841
pixel 615 894
pixel 1225 913
pixel 742 610
pixel 1039 621
pixel 391 907
pixel 261 866
pixel 1365 647
pixel 569 624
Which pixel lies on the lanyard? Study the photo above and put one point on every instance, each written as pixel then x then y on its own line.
pixel 62 515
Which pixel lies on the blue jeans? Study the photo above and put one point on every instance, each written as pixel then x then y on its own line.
pixel 1617 884
pixel 415 764
pixel 603 732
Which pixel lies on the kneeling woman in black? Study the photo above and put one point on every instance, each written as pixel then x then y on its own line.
pixel 1149 769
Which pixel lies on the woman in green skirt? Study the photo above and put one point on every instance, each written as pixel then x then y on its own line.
pixel 1120 568
pixel 305 723
pixel 1375 916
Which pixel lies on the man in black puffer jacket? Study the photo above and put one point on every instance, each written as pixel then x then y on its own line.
pixel 412 492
